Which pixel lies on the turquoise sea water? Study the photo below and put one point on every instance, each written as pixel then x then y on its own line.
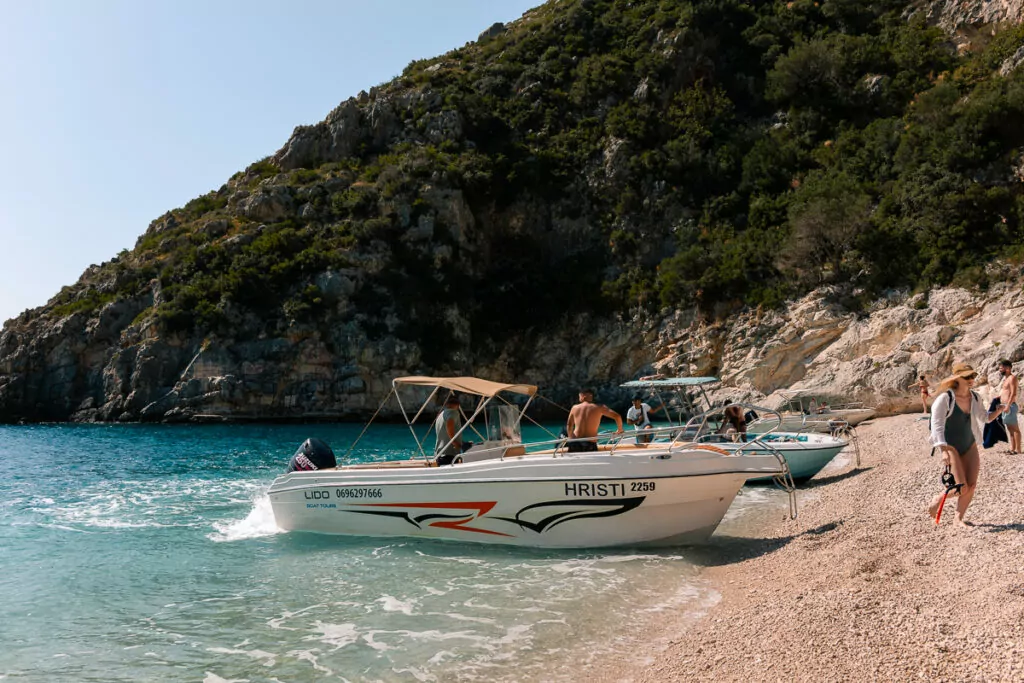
pixel 149 553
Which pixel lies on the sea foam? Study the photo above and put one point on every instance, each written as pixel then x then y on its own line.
pixel 257 524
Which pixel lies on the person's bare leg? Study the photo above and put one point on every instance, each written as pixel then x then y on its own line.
pixel 970 465
pixel 924 404
pixel 956 466
pixel 1014 438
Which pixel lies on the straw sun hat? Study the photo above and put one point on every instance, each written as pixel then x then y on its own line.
pixel 960 371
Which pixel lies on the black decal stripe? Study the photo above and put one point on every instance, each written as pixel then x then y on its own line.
pixel 619 505
pixel 603 513
pixel 388 513
pixel 538 526
pixel 422 519
pixel 632 502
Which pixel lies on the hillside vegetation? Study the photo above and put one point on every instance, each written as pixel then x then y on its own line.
pixel 604 157
pixel 681 153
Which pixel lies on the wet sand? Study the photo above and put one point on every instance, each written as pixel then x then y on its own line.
pixel 863 585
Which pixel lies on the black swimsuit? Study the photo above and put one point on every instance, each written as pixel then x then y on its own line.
pixel 959 434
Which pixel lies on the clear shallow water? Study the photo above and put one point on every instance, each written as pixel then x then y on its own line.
pixel 136 553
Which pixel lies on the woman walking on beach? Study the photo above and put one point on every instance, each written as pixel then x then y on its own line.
pixel 922 384
pixel 958 418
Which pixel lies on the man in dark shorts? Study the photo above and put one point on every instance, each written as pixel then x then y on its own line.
pixel 584 421
pixel 1008 397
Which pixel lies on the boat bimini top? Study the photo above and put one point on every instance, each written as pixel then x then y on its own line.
pixel 466 385
pixel 679 385
pixel 501 421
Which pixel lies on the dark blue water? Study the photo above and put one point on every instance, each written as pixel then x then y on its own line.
pixel 137 553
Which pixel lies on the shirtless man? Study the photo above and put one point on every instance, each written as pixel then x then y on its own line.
pixel 1008 397
pixel 584 420
pixel 734 424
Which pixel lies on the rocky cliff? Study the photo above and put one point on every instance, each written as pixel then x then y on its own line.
pixel 973 15
pixel 871 357
pixel 592 192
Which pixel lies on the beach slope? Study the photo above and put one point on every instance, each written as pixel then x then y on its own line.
pixel 864 585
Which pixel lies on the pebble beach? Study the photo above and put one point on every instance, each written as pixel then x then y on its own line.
pixel 863 585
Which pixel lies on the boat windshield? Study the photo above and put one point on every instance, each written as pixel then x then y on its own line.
pixel 503 424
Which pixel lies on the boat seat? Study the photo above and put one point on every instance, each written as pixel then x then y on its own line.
pixel 392 464
pixel 713 449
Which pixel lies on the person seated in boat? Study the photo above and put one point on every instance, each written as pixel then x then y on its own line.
pixel 447 425
pixel 734 424
pixel 584 421
pixel 638 415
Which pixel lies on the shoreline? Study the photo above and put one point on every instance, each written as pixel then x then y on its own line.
pixel 862 585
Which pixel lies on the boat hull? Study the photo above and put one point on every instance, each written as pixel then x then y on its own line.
pixel 804 462
pixel 579 502
pixel 810 423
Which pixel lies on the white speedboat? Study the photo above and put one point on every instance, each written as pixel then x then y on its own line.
pixel 806 453
pixel 538 494
pixel 804 410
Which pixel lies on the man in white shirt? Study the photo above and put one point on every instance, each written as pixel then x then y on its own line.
pixel 639 417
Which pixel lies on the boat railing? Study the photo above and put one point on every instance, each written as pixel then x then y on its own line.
pixel 702 431
pixel 671 438
pixel 700 425
pixel 841 429
pixel 699 431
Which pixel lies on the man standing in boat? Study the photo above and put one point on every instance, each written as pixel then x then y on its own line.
pixel 639 415
pixel 447 424
pixel 584 421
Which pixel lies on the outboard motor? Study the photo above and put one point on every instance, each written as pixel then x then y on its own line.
pixel 313 454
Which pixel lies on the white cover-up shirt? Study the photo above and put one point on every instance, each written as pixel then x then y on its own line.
pixel 633 414
pixel 940 412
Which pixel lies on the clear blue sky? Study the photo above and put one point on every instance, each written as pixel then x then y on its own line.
pixel 114 111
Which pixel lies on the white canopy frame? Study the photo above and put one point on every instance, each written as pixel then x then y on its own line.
pixel 679 386
pixel 485 390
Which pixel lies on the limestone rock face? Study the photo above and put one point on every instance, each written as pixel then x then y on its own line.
pixel 494 30
pixel 336 137
pixel 871 358
pixel 378 119
pixel 1012 62
pixel 954 15
pixel 275 203
pixel 110 366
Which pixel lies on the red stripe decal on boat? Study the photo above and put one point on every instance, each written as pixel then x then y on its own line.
pixel 482 508
pixel 458 525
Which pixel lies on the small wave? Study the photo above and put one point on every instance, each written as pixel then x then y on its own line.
pixel 214 678
pixel 392 604
pixel 265 658
pixel 139 504
pixel 338 635
pixel 258 523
